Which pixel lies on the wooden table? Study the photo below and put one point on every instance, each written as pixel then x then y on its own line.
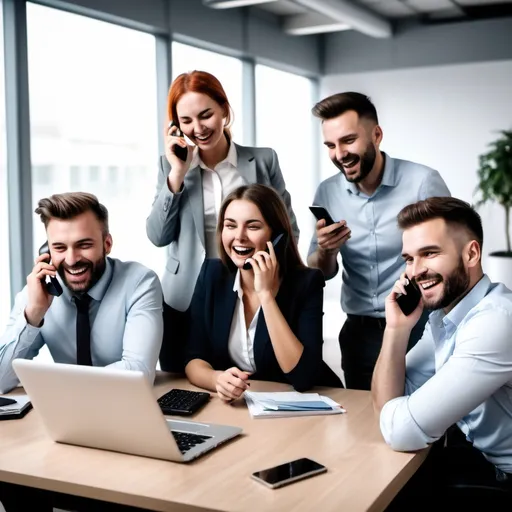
pixel 363 473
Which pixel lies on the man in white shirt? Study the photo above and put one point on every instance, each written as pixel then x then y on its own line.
pixel 458 377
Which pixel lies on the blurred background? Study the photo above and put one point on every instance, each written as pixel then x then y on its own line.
pixel 84 86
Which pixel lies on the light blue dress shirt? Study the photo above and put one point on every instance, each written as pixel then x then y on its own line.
pixel 460 372
pixel 372 258
pixel 125 317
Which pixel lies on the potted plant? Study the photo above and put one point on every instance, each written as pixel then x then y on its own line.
pixel 495 184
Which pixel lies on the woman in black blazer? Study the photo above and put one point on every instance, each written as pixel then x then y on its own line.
pixel 257 311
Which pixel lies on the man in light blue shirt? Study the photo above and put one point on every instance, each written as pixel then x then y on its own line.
pixel 124 298
pixel 460 371
pixel 365 197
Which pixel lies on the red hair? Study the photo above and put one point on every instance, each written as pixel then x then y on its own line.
pixel 203 83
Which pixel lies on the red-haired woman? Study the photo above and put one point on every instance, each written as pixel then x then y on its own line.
pixel 190 191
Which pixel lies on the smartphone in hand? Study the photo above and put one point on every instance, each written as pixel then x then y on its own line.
pixel 53 286
pixel 408 303
pixel 279 244
pixel 321 213
pixel 179 151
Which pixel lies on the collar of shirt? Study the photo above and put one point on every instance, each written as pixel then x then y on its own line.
pixel 450 322
pixel 97 292
pixel 231 158
pixel 388 177
pixel 237 285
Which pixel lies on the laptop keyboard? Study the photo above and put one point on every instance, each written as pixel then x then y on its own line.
pixel 186 440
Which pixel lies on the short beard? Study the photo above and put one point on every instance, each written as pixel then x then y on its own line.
pixel 455 287
pixel 367 162
pixel 98 268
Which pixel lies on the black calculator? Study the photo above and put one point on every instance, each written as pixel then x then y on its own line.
pixel 182 402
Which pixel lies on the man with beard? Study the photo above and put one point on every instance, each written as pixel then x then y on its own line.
pixel 457 379
pixel 120 302
pixel 364 197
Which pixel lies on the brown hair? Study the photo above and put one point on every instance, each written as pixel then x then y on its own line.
pixel 201 82
pixel 337 104
pixel 274 212
pixel 70 205
pixel 454 211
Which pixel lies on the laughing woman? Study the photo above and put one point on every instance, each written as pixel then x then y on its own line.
pixel 189 194
pixel 256 311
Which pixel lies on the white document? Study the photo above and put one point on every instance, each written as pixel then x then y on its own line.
pixel 289 403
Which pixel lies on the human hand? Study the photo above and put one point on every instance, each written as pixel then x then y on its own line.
pixel 266 273
pixel 39 300
pixel 331 238
pixel 174 138
pixel 395 318
pixel 231 383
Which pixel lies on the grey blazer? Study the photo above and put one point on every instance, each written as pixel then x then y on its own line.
pixel 178 219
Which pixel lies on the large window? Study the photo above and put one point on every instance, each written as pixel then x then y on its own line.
pixel 227 69
pixel 94 121
pixel 5 296
pixel 284 123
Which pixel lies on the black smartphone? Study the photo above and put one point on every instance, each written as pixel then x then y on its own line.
pixel 289 472
pixel 321 213
pixel 6 401
pixel 279 244
pixel 53 286
pixel 180 152
pixel 408 303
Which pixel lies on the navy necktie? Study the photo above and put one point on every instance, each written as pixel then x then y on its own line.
pixel 83 331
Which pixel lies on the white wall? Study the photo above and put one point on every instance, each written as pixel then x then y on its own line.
pixel 441 116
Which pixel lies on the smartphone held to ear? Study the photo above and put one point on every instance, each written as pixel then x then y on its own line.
pixel 288 473
pixel 408 303
pixel 179 151
pixel 53 286
pixel 279 244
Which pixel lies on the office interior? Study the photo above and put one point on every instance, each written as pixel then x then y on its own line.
pixel 83 101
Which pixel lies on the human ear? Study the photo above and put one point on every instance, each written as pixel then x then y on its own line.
pixel 472 253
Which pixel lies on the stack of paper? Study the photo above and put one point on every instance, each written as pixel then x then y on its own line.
pixel 289 403
pixel 16 410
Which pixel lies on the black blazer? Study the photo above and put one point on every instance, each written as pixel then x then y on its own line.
pixel 300 299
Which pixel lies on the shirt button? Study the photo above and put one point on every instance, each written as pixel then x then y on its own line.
pixel 375 295
pixel 371 267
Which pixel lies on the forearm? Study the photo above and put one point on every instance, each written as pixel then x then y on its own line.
pixel 389 374
pixel 201 374
pixel 325 261
pixel 287 347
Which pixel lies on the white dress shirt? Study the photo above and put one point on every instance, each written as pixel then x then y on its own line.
pixel 460 372
pixel 217 184
pixel 241 339
pixel 126 324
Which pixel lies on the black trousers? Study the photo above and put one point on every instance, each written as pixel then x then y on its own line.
pixel 360 343
pixel 176 327
pixel 457 473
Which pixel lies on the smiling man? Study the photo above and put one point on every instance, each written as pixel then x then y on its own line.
pixel 364 198
pixel 109 313
pixel 458 377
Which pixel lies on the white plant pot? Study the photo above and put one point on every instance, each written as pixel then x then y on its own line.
pixel 499 269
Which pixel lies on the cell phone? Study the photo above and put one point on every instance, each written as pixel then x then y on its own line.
pixel 53 286
pixel 321 213
pixel 180 152
pixel 408 303
pixel 279 244
pixel 6 401
pixel 288 473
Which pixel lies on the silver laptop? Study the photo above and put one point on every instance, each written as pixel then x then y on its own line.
pixel 112 409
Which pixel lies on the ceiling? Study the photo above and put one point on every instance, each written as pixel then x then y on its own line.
pixel 375 18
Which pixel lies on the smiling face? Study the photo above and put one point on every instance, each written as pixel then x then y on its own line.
pixel 78 250
pixel 244 231
pixel 441 260
pixel 201 119
pixel 353 143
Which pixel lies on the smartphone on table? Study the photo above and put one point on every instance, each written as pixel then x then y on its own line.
pixel 408 303
pixel 289 472
pixel 179 151
pixel 52 286
pixel 279 244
